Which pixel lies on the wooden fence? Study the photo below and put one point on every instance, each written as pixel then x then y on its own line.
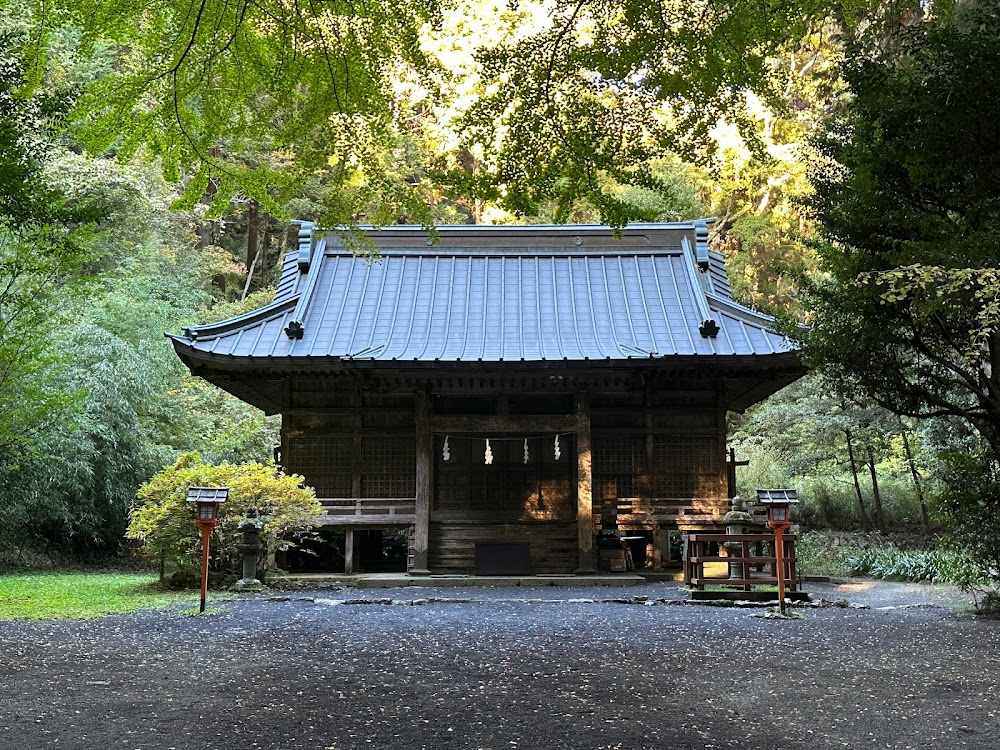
pixel 745 561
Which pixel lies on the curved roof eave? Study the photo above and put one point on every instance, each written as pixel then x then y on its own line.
pixel 194 357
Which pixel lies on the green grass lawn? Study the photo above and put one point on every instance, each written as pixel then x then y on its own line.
pixel 36 596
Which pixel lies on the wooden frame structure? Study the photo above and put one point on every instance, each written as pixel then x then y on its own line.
pixel 599 367
pixel 750 556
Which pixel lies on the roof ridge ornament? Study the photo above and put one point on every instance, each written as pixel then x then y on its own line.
pixel 699 253
pixel 305 245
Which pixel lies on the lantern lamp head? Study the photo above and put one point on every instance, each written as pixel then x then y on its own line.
pixel 778 504
pixel 207 500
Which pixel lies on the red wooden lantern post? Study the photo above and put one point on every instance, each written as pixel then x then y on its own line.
pixel 207 500
pixel 778 504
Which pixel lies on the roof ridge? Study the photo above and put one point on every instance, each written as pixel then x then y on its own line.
pixel 211 330
pixel 740 311
pixel 701 224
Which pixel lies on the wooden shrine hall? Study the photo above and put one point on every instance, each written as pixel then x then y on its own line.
pixel 504 394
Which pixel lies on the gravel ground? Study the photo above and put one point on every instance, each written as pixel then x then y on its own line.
pixel 509 669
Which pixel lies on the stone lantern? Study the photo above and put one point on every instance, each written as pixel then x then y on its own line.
pixel 251 549
pixel 736 520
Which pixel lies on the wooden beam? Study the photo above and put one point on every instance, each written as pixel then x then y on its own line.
pixel 424 486
pixel 584 489
pixel 731 465
pixel 367 522
pixel 552 423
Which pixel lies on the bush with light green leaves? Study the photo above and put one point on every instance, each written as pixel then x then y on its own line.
pixel 164 521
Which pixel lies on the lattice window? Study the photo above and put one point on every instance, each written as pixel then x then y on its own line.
pixel 619 466
pixel 388 467
pixel 326 463
pixel 686 467
pixel 331 486
pixel 320 455
pixel 687 455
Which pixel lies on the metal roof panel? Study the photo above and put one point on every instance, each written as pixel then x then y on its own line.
pixel 528 294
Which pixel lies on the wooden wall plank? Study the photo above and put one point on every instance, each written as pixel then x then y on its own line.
pixel 553 544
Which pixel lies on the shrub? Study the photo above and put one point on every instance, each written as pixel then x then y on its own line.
pixel 969 504
pixel 827 504
pixel 165 522
pixel 826 553
pixel 891 563
pixel 900 558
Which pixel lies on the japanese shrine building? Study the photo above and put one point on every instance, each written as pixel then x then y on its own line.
pixel 598 368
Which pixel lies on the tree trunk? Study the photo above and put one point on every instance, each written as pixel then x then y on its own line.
pixel 253 221
pixel 924 515
pixel 876 495
pixel 284 242
pixel 246 286
pixel 990 434
pixel 857 484
pixel 266 264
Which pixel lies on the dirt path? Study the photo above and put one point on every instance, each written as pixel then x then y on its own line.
pixel 508 670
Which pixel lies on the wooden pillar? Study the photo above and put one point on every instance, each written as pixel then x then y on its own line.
pixel 584 488
pixel 350 551
pixel 425 465
pixel 657 561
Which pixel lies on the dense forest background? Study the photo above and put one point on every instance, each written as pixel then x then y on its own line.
pixel 152 156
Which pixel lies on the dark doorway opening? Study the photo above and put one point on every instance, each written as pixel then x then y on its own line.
pixel 506 477
pixel 381 550
pixel 376 551
pixel 322 552
pixel 640 547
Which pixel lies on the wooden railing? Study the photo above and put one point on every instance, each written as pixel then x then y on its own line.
pixel 367 510
pixel 632 511
pixel 745 554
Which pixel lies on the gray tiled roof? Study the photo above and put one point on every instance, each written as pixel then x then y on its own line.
pixel 499 294
pixel 777 496
pixel 208 494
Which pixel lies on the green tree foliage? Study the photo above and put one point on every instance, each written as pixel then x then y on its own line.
pixel 968 503
pixel 608 85
pixel 757 196
pixel 849 459
pixel 202 84
pixel 133 406
pixel 905 302
pixel 543 110
pixel 165 522
pixel 565 100
pixel 44 249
